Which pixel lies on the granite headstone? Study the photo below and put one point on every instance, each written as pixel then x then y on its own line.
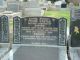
pixel 40 30
pixel 75 28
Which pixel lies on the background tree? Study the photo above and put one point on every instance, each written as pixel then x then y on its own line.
pixel 52 0
pixel 24 0
pixel 75 2
pixel 67 1
pixel 58 0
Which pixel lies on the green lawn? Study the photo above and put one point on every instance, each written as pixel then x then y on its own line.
pixel 58 14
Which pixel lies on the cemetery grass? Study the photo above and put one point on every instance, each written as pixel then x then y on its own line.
pixel 58 14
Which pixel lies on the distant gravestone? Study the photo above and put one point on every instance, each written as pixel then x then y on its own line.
pixel 39 30
pixel 64 5
pixel 71 6
pixel 77 14
pixel 32 9
pixel 1 2
pixel 33 12
pixel 32 4
pixel 75 28
pixel 4 29
pixel 13 6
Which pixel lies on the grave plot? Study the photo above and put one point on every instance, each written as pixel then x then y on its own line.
pixel 34 52
pixel 37 53
pixel 4 29
pixel 35 38
pixel 39 30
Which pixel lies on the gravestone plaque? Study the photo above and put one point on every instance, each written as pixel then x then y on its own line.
pixel 4 29
pixel 39 30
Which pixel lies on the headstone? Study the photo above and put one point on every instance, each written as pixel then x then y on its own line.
pixel 75 33
pixel 40 30
pixel 33 12
pixel 4 29
pixel 13 6
pixel 75 28
pixel 63 5
pixel 32 9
